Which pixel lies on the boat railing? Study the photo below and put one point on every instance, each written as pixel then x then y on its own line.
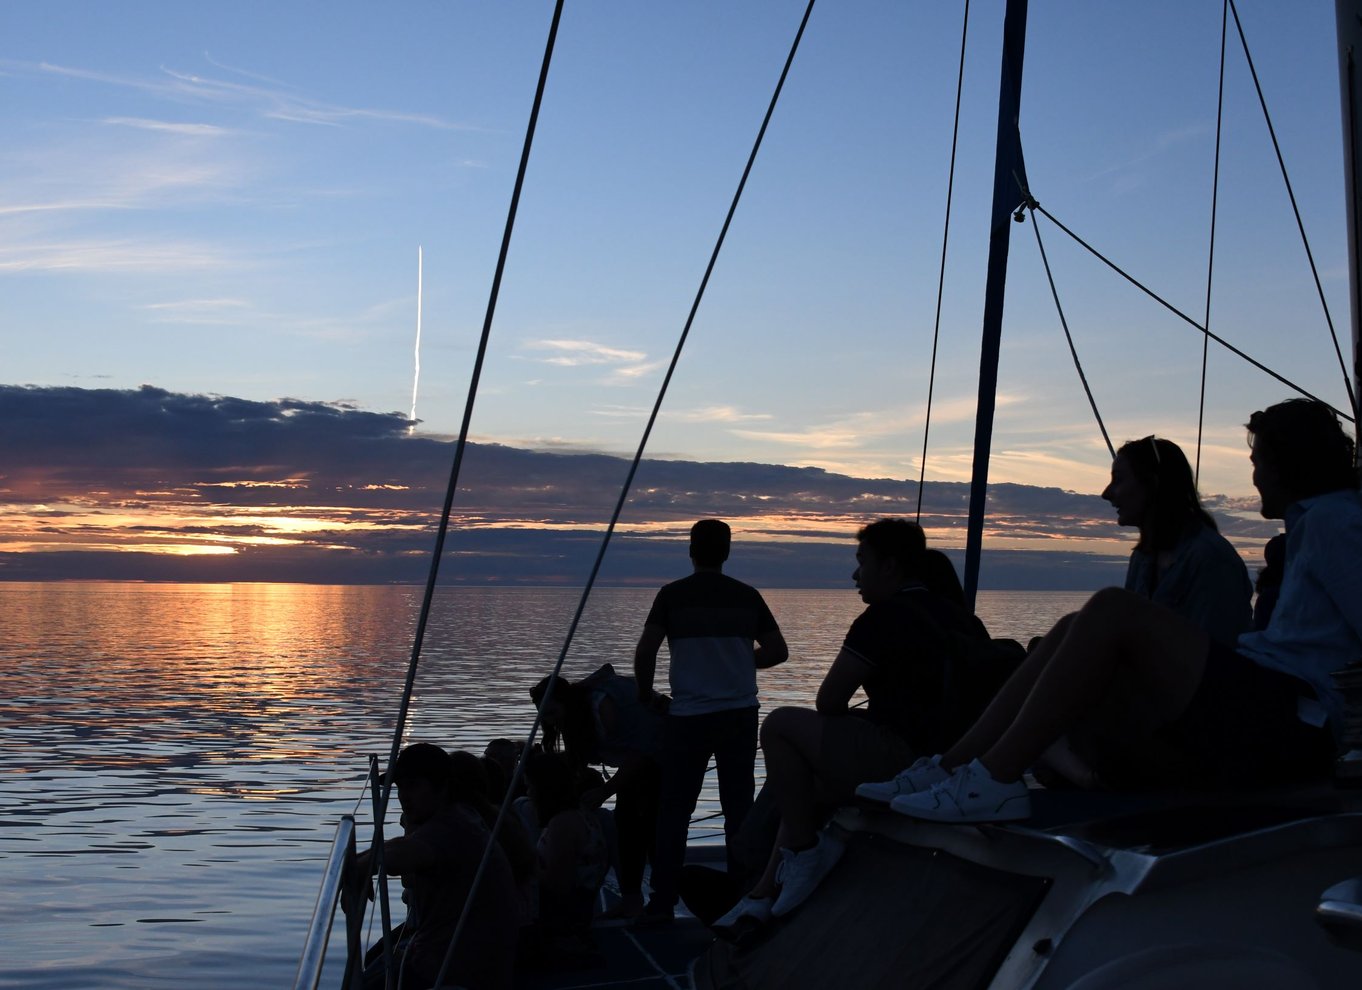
pixel 319 931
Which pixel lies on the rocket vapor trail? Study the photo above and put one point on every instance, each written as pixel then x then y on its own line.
pixel 416 379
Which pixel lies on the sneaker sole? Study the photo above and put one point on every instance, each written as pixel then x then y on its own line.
pixel 779 912
pixel 880 797
pixel 943 815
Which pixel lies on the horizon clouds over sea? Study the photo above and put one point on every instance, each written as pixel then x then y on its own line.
pixel 149 484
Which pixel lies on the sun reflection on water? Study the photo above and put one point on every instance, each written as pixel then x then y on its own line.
pixel 177 753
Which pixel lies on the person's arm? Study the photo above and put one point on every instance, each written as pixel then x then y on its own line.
pixel 771 649
pixel 631 767
pixel 400 857
pixel 1335 551
pixel 847 673
pixel 1219 596
pixel 645 659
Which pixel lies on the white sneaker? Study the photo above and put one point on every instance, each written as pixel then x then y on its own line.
pixel 924 772
pixel 799 873
pixel 749 910
pixel 969 794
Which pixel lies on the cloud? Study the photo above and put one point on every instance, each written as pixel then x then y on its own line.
pixel 141 257
pixel 167 127
pixel 577 353
pixel 274 101
pixel 108 483
pixel 717 414
pixel 201 312
pixel 1163 143
pixel 625 366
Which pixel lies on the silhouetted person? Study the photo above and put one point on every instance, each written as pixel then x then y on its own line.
pixel 573 859
pixel 1255 714
pixel 899 651
pixel 436 858
pixel 600 719
pixel 469 785
pixel 711 623
pixel 1181 560
pixel 505 753
pixel 1269 583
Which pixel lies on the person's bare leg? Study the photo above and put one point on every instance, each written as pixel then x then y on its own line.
pixel 1162 654
pixel 766 886
pixel 791 739
pixel 1007 703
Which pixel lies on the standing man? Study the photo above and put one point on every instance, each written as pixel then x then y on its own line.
pixel 710 622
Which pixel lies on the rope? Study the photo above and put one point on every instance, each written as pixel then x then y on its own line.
pixel 941 277
pixel 462 443
pixel 461 446
pixel 1073 351
pixel 1300 225
pixel 384 908
pixel 629 478
pixel 1210 255
pixel 1037 208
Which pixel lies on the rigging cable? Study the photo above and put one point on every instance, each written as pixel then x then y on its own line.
pixel 462 443
pixel 1210 254
pixel 625 488
pixel 941 277
pixel 1300 224
pixel 1078 365
pixel 1037 208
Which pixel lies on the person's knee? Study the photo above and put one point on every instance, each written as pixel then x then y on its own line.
pixel 781 724
pixel 1108 605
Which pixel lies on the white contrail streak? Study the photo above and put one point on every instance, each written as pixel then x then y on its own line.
pixel 416 379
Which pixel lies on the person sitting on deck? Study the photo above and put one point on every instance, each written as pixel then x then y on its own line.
pixel 468 785
pixel 505 755
pixel 437 858
pixel 600 719
pixel 1247 716
pixel 573 860
pixel 1181 561
pixel 899 650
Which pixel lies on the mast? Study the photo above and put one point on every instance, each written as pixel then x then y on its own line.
pixel 1348 14
pixel 1009 183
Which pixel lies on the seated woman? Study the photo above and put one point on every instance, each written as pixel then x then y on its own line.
pixel 599 719
pixel 573 858
pixel 1255 714
pixel 899 651
pixel 1181 560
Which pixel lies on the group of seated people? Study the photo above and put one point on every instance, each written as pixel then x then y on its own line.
pixel 533 906
pixel 1171 681
pixel 1162 683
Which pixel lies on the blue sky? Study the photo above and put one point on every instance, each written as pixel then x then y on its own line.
pixel 228 199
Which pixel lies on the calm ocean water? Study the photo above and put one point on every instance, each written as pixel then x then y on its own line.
pixel 175 757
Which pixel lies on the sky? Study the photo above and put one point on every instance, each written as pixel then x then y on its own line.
pixel 227 201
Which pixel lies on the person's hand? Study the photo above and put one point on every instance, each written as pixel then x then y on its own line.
pixel 355 885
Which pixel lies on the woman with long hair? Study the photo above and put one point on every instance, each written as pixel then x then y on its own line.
pixel 1181 560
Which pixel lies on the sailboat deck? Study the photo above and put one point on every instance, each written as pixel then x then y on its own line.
pixel 1156 846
